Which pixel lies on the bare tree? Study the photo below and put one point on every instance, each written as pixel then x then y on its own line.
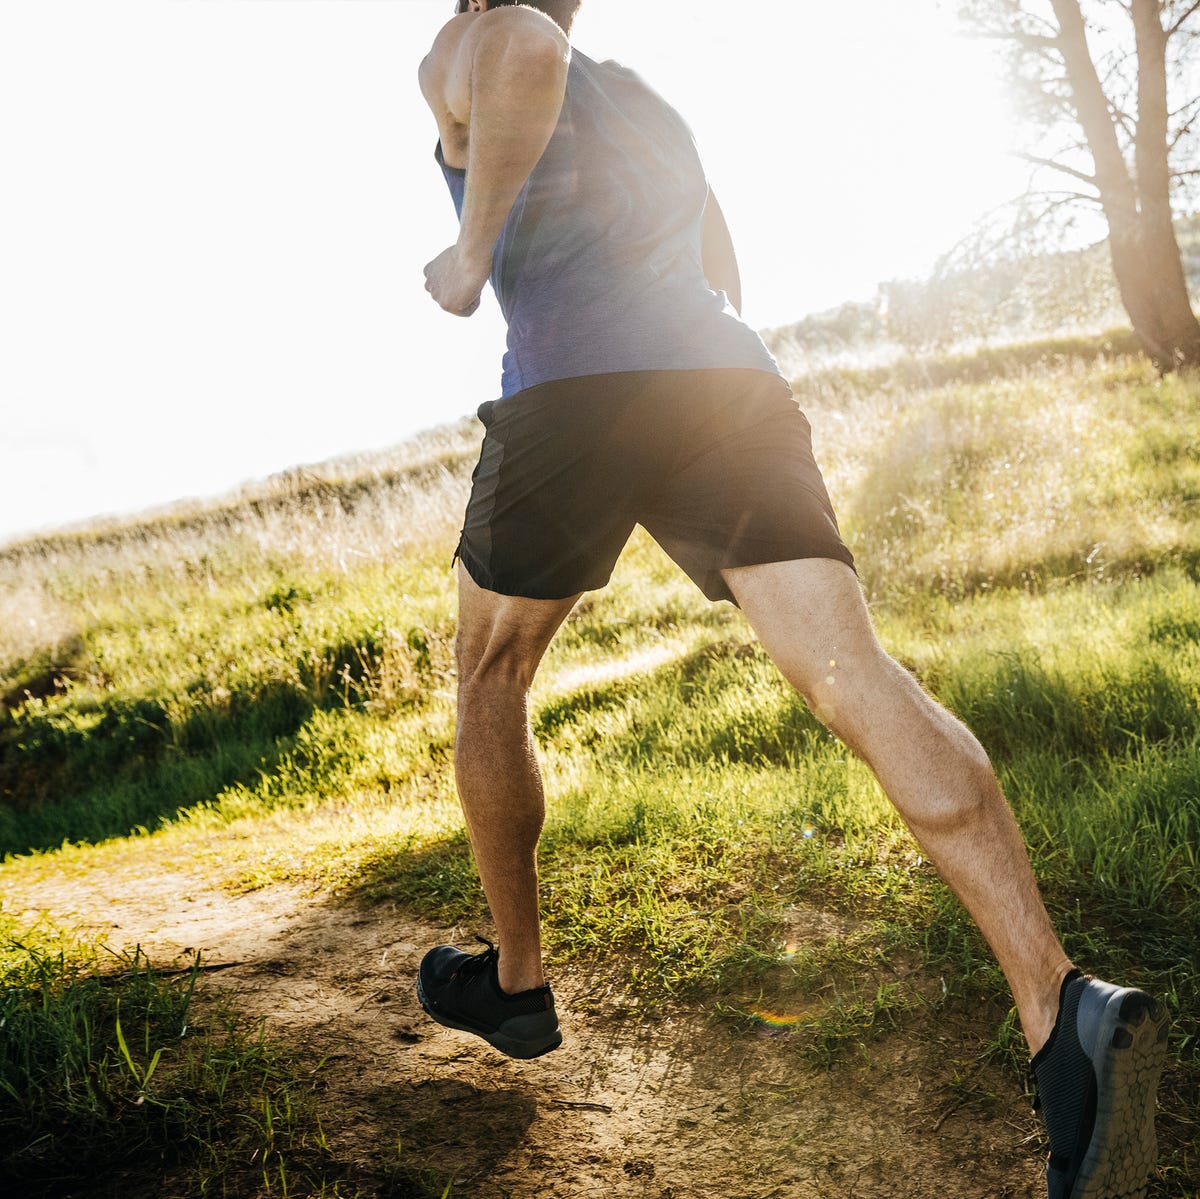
pixel 1113 85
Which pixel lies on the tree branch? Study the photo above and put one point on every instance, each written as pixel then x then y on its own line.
pixel 1023 22
pixel 1190 114
pixel 1041 43
pixel 1174 28
pixel 1150 145
pixel 1181 133
pixel 1082 176
pixel 1057 199
pixel 1184 107
pixel 1113 177
pixel 1044 21
pixel 1116 69
pixel 1124 120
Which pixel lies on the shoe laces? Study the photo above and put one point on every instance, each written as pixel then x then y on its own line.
pixel 478 963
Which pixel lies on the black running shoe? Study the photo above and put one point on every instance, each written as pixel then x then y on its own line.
pixel 461 990
pixel 1096 1080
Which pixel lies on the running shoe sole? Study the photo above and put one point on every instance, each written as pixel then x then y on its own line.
pixel 519 1036
pixel 1124 1034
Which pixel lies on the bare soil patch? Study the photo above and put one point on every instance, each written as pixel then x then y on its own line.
pixel 670 1104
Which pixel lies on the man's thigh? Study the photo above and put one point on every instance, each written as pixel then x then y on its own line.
pixel 810 616
pixel 812 619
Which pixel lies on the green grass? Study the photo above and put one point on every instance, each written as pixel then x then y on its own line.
pixel 114 1079
pixel 106 1073
pixel 1026 525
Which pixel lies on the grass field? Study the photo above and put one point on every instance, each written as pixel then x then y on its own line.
pixel 1028 532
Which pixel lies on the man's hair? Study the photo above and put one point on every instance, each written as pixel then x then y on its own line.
pixel 561 12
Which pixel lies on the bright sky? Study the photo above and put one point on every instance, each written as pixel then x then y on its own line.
pixel 215 214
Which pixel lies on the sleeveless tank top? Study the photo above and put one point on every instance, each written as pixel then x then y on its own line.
pixel 598 267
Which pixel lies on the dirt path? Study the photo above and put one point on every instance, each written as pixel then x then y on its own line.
pixel 674 1107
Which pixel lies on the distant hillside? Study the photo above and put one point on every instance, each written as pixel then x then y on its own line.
pixel 374 486
pixel 1063 293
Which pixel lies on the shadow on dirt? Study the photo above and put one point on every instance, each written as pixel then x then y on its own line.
pixel 454 1129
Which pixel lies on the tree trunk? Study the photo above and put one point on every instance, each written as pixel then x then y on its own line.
pixel 1137 204
pixel 1149 273
pixel 1178 333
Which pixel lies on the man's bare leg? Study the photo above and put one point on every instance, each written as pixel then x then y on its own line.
pixel 501 640
pixel 812 620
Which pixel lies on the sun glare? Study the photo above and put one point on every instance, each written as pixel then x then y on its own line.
pixel 845 151
pixel 249 296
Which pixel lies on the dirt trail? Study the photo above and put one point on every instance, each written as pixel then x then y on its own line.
pixel 674 1107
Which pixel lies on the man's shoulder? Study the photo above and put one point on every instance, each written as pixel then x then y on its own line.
pixel 519 22
pixel 517 29
pixel 435 66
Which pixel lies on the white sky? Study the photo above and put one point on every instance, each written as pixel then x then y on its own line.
pixel 215 213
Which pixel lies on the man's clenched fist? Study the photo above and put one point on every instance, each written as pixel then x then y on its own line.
pixel 455 283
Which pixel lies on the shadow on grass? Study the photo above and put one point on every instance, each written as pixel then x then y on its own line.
pixel 438 881
pixel 101 770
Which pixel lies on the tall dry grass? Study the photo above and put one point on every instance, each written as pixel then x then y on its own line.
pixel 341 515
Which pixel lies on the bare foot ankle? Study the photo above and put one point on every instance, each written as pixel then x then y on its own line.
pixel 514 981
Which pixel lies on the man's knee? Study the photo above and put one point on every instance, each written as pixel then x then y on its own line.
pixel 963 785
pixel 884 714
pixel 495 665
pixel 501 639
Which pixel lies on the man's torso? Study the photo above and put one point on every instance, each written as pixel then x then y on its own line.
pixel 598 268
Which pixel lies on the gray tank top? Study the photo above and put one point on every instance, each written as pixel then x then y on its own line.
pixel 598 267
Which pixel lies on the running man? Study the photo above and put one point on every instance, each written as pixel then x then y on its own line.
pixel 634 394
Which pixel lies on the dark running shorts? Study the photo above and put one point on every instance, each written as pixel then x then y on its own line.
pixel 717 465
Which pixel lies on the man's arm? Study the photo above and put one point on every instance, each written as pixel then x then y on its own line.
pixel 503 81
pixel 717 256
